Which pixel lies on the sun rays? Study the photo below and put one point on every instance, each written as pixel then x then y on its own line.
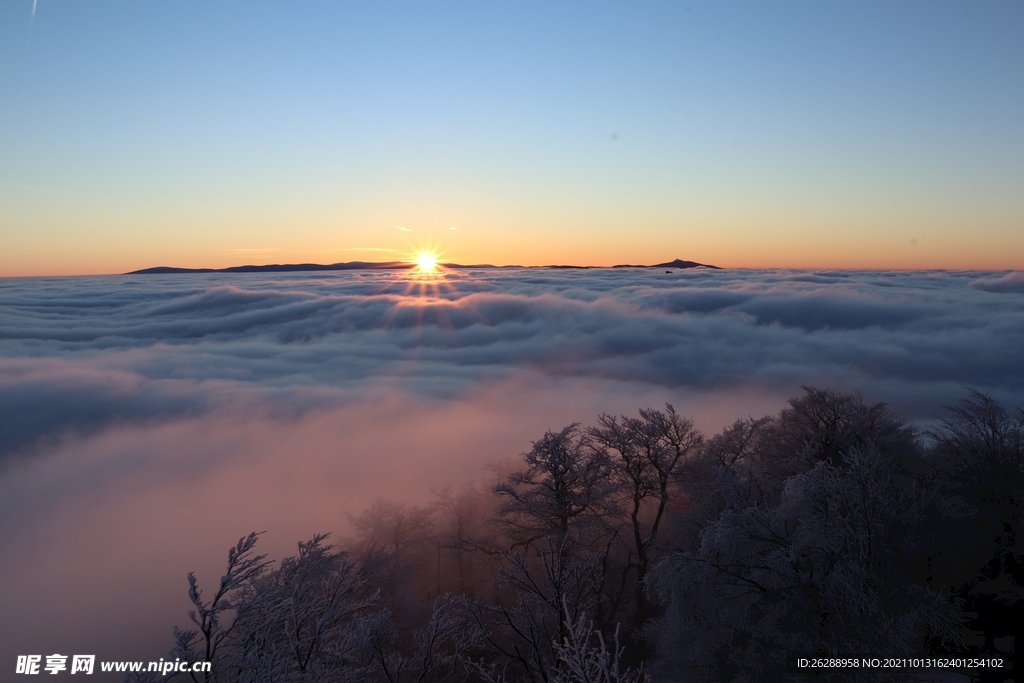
pixel 426 262
pixel 427 276
pixel 428 292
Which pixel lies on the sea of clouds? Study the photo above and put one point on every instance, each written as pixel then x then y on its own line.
pixel 146 422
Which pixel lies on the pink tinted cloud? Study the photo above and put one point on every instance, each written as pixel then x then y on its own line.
pixel 100 533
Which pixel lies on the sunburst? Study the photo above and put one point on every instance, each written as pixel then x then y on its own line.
pixel 426 262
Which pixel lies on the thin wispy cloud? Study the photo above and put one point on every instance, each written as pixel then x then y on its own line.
pixel 402 228
pixel 32 21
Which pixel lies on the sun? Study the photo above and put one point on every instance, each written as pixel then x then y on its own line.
pixel 426 262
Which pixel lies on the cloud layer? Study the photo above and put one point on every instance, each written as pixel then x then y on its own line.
pixel 149 421
pixel 78 354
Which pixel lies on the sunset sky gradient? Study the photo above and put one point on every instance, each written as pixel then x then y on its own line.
pixel 818 135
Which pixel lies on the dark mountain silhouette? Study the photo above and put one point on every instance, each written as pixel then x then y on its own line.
pixel 374 265
pixel 300 267
pixel 678 263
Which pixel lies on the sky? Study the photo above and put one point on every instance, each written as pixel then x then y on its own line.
pixel 746 135
pixel 148 422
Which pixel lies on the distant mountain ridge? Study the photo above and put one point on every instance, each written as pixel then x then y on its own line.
pixel 300 267
pixel 376 265
pixel 678 263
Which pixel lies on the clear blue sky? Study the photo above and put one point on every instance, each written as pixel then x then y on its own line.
pixel 746 134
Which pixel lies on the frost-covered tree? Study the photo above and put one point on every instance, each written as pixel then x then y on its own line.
pixel 726 473
pixel 563 492
pixel 524 624
pixel 310 619
pixel 443 649
pixel 646 456
pixel 554 527
pixel 825 424
pixel 821 572
pixel 317 619
pixel 216 619
pixel 584 657
pixel 980 547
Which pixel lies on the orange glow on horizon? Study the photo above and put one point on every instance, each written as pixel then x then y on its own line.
pixel 726 247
